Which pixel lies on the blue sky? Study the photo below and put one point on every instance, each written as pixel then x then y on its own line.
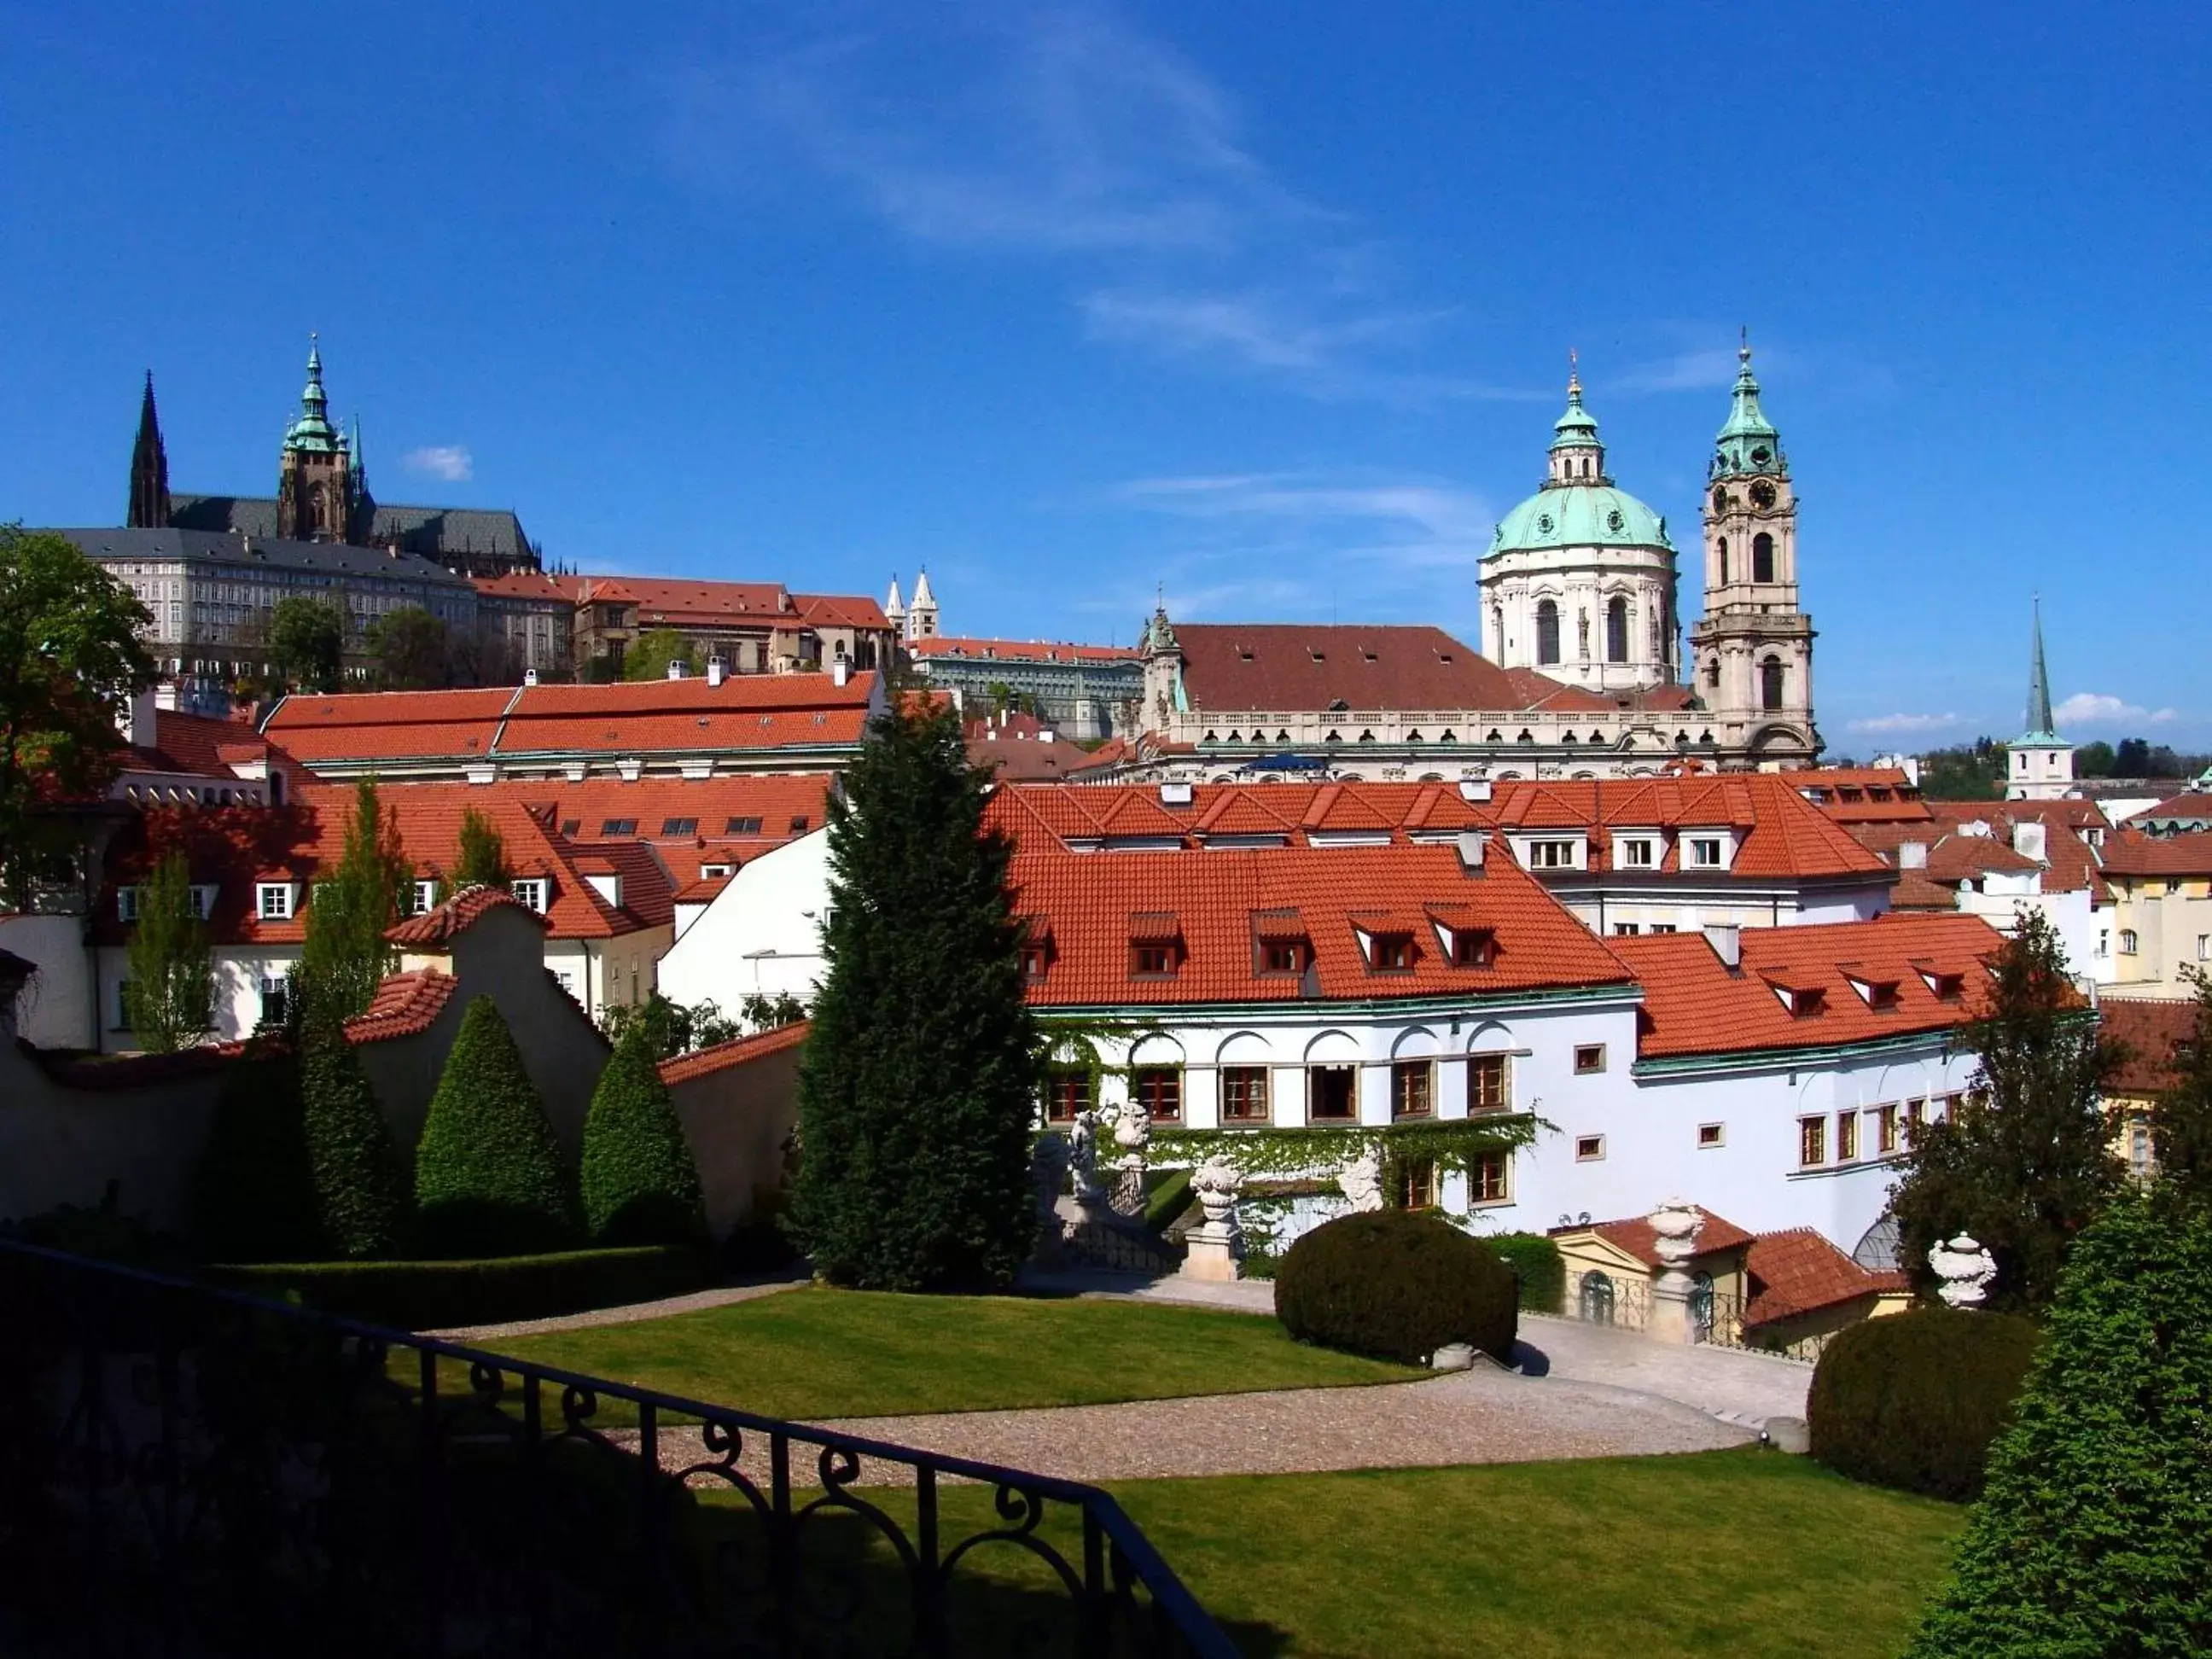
pixel 1267 303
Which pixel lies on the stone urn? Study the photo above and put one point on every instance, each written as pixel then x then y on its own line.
pixel 1674 1228
pixel 1215 1248
pixel 1965 1268
pixel 1132 1133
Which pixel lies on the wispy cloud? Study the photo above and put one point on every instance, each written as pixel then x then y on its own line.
pixel 450 462
pixel 1065 132
pixel 1906 723
pixel 2094 708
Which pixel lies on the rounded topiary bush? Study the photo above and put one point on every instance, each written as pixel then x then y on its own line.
pixel 1914 1400
pixel 1397 1284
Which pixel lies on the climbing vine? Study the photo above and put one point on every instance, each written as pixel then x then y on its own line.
pixel 1452 1144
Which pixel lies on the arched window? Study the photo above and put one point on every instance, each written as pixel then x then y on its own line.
pixel 1616 630
pixel 1770 683
pixel 1722 544
pixel 1548 631
pixel 1762 557
pixel 1586 466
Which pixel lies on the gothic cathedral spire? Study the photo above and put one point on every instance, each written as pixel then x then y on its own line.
pixel 1753 649
pixel 149 468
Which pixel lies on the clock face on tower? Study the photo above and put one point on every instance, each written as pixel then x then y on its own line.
pixel 1762 495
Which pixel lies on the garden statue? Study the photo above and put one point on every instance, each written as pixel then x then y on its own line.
pixel 1083 1159
pixel 1361 1180
pixel 1965 1268
pixel 1216 1245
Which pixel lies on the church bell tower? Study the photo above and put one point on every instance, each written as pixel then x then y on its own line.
pixel 1752 651
pixel 317 485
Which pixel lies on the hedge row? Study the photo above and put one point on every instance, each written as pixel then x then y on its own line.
pixel 1536 1261
pixel 443 1295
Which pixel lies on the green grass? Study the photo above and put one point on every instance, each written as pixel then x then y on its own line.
pixel 815 1353
pixel 1749 1554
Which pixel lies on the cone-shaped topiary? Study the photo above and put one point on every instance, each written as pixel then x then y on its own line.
pixel 2093 1535
pixel 488 1174
pixel 639 1184
pixel 253 1199
pixel 359 1200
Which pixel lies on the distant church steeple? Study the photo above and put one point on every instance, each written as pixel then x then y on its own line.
pixel 2040 763
pixel 149 468
pixel 318 490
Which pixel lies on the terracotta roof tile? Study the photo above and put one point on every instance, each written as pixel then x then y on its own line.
pixel 456 915
pixel 405 1005
pixel 739 1051
pixel 1799 1272
pixel 2129 852
pixel 1236 667
pixel 1634 1235
pixel 2153 1029
pixel 944 645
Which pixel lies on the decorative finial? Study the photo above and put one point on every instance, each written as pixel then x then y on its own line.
pixel 1574 373
pixel 1743 342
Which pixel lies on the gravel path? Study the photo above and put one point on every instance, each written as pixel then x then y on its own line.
pixel 1486 1415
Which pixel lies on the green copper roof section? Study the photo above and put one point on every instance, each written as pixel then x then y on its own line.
pixel 1577 429
pixel 312 431
pixel 1592 514
pixel 1747 442
pixel 2041 728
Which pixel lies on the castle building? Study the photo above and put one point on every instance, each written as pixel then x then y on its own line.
pixel 2039 763
pixel 1579 581
pixel 323 495
pixel 1753 649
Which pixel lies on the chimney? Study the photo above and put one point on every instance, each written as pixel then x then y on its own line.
pixel 530 676
pixel 675 668
pixel 839 674
pixel 1912 855
pixel 140 722
pixel 715 671
pixel 1726 940
pixel 1175 794
pixel 1475 789
pixel 1473 845
pixel 2032 841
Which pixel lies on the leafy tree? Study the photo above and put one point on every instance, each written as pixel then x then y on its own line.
pixel 70 661
pixel 2094 1536
pixel 482 860
pixel 2165 763
pixel 764 1013
pixel 639 1184
pixel 359 1202
pixel 489 1179
pixel 649 655
pixel 2024 1159
pixel 1974 771
pixel 410 649
pixel 2132 759
pixel 345 954
pixel 307 641
pixel 924 1068
pixel 252 1192
pixel 2093 760
pixel 170 989
pixel 2181 1119
pixel 670 1028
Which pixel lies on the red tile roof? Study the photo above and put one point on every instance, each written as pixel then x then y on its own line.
pixel 456 915
pixel 2130 852
pixel 2153 1029
pixel 739 1051
pixel 1799 1272
pixel 1780 832
pixel 1235 667
pixel 405 1005
pixel 841 611
pixel 195 745
pixel 942 645
pixel 2189 804
pixel 1862 794
pixel 1017 748
pixel 1694 1004
pixel 1634 1235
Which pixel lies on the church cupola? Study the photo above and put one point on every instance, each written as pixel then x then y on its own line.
pixel 1748 443
pixel 149 468
pixel 1577 455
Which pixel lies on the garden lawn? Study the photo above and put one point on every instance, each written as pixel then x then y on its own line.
pixel 816 1353
pixel 1749 1553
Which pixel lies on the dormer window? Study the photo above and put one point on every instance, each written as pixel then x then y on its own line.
pixel 1036 955
pixel 1278 956
pixel 1637 852
pixel 1804 1001
pixel 1948 988
pixel 533 893
pixel 1704 852
pixel 272 900
pixel 1473 947
pixel 714 871
pixel 1151 961
pixel 1552 853
pixel 1880 995
pixel 1390 953
pixel 426 896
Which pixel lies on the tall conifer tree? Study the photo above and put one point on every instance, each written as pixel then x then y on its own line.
pixel 169 991
pixel 345 956
pixel 922 1071
pixel 2181 1121
pixel 359 1200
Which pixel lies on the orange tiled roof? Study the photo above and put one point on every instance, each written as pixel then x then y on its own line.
pixel 1634 1235
pixel 455 916
pixel 196 746
pixel 841 611
pixel 1799 1272
pixel 1778 831
pixel 2189 803
pixel 739 1051
pixel 1862 794
pixel 1233 667
pixel 945 645
pixel 405 1005
pixel 2155 1030
pixel 1694 1004
pixel 2130 852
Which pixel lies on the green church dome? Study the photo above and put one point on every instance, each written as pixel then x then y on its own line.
pixel 1592 514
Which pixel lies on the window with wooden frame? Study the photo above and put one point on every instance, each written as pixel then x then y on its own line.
pixel 1812 1142
pixel 1589 1149
pixel 1036 958
pixel 1332 1093
pixel 1915 1115
pixel 1473 947
pixel 1151 959
pixel 1413 1088
pixel 1847 1137
pixel 1490 1179
pixel 1489 1083
pixel 1589 1058
pixel 1885 1131
pixel 1282 956
pixel 1417 1184
pixel 1067 1093
pixel 1390 953
pixel 1158 1090
pixel 1244 1094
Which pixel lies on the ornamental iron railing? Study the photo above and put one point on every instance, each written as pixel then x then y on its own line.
pixel 188 1471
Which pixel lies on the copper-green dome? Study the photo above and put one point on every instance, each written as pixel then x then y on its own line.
pixel 1593 514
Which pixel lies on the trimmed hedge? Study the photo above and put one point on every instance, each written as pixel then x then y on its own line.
pixel 361 1201
pixel 639 1184
pixel 1167 1195
pixel 441 1295
pixel 489 1179
pixel 1537 1262
pixel 1914 1400
pixel 253 1194
pixel 1396 1284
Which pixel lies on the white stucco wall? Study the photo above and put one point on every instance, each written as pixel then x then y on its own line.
pixel 56 1009
pixel 762 931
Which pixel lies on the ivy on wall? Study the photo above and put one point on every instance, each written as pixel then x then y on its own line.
pixel 1452 1144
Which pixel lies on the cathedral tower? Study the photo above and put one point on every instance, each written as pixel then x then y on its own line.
pixel 1752 651
pixel 317 488
pixel 149 468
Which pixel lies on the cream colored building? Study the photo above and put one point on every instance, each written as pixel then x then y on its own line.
pixel 2161 894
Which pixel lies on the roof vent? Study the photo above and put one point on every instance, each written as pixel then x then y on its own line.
pixel 1473 844
pixel 530 676
pixel 675 668
pixel 1726 939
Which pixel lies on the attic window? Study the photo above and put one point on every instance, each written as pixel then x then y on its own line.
pixel 1804 1001
pixel 1880 993
pixel 1036 956
pixel 1151 960
pixel 680 826
pixel 618 827
pixel 1368 655
pixel 570 826
pixel 1473 947
pixel 798 824
pixel 714 871
pixel 1282 956
pixel 743 827
pixel 1946 988
pixel 1390 953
